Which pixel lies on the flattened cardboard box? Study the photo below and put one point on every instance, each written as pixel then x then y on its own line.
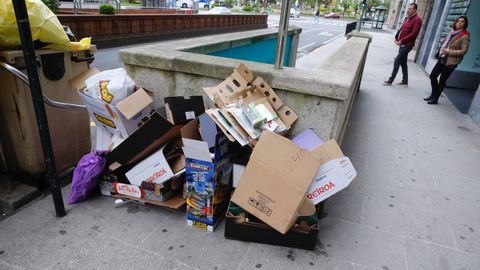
pixel 155 133
pixel 275 182
pixel 335 173
pixel 239 88
pixel 152 194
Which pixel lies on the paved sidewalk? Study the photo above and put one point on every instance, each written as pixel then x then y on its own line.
pixel 414 205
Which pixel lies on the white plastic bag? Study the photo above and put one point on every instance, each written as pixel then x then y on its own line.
pixel 111 86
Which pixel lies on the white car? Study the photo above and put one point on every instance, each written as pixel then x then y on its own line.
pixel 219 11
pixel 184 3
pixel 294 13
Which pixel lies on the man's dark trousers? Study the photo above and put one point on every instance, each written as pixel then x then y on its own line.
pixel 401 60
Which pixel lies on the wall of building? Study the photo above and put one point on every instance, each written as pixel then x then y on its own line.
pixel 474 111
pixel 471 61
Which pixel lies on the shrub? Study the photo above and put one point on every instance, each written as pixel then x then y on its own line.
pixel 52 5
pixel 106 9
pixel 228 3
pixel 247 8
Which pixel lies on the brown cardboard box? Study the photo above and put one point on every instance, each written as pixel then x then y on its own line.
pixel 274 184
pixel 123 118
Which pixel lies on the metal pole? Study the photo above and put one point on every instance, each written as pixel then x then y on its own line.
pixel 282 34
pixel 362 6
pixel 36 90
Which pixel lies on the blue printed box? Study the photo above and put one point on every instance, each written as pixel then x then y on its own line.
pixel 208 178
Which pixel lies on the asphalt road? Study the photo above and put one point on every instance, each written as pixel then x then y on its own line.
pixel 313 36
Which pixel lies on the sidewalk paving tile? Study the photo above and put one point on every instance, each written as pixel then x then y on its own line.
pixel 362 245
pixel 422 255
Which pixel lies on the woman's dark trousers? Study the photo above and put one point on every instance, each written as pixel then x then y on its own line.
pixel 437 86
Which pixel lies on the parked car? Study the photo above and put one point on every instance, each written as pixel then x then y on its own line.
pixel 294 13
pixel 332 15
pixel 205 3
pixel 184 3
pixel 219 11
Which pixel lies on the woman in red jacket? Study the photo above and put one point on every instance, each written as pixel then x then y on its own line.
pixel 454 47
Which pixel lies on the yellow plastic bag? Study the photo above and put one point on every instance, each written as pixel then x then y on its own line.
pixel 44 25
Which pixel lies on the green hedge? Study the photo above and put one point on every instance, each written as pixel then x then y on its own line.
pixel 106 9
pixel 247 8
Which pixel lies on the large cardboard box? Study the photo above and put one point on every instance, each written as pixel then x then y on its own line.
pixel 125 117
pixel 274 184
pixel 208 180
pixel 239 225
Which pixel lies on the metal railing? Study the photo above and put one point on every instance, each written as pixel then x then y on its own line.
pixel 350 27
pixel 46 99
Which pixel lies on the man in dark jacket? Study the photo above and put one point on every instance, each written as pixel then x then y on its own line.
pixel 405 38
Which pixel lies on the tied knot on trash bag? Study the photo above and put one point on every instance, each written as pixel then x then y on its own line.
pixel 45 27
pixel 85 175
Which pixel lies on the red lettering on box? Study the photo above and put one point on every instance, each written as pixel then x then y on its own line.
pixel 157 175
pixel 319 191
pixel 128 190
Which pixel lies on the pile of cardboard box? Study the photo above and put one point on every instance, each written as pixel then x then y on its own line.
pixel 247 107
pixel 200 158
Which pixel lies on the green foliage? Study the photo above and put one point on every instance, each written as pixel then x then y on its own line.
pixel 106 9
pixel 215 5
pixel 228 3
pixel 247 8
pixel 346 4
pixel 52 5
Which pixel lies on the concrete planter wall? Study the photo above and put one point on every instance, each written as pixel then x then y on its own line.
pixel 322 98
pixel 108 30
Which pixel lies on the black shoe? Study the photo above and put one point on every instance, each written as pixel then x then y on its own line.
pixel 428 98
pixel 387 82
pixel 403 83
pixel 432 102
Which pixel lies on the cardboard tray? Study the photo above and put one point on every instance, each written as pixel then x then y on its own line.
pixel 254 230
pixel 264 234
